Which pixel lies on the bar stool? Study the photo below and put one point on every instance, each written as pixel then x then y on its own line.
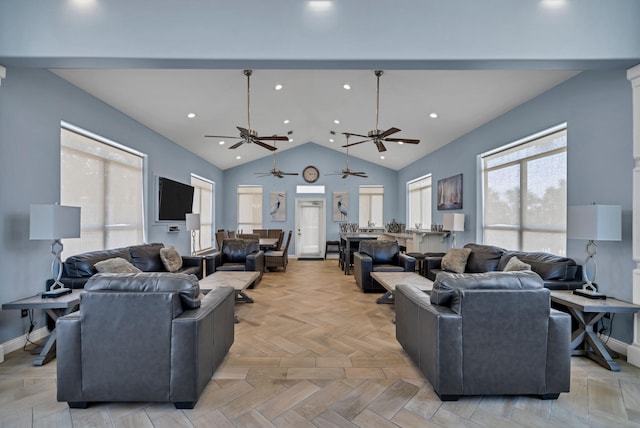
pixel 331 247
pixel 419 261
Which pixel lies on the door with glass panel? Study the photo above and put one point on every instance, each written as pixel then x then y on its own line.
pixel 310 228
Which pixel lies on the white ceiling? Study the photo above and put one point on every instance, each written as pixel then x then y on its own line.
pixel 311 100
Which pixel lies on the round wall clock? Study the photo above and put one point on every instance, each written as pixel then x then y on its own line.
pixel 310 174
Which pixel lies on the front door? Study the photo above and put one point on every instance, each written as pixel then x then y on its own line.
pixel 310 228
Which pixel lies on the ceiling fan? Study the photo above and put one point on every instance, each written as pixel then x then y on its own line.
pixel 248 135
pixel 376 135
pixel 275 171
pixel 347 172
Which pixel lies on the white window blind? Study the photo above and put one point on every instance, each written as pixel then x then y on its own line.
pixel 106 181
pixel 525 194
pixel 249 208
pixel 371 206
pixel 203 204
pixel 419 197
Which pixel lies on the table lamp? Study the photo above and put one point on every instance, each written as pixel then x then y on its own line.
pixel 453 222
pixel 193 224
pixel 593 223
pixel 55 222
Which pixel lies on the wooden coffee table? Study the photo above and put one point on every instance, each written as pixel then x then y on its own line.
pixel 55 308
pixel 238 280
pixel 389 280
pixel 585 340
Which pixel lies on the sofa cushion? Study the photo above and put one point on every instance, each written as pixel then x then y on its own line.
pixel 116 265
pixel 483 258
pixel 170 259
pixel 515 264
pixel 548 266
pixel 447 283
pixel 83 265
pixel 381 252
pixel 186 286
pixel 146 257
pixel 456 260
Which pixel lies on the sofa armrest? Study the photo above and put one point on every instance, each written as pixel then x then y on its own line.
pixel 191 261
pixel 432 262
pixel 558 373
pixel 69 357
pixel 408 263
pixel 362 267
pixel 255 262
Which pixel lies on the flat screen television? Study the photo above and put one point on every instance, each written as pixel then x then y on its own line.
pixel 175 200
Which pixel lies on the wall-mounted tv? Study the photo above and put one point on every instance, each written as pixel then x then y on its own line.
pixel 175 200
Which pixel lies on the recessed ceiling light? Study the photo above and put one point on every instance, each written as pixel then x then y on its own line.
pixel 331 140
pixel 336 121
pixel 553 4
pixel 221 142
pixel 433 115
pixel 320 5
pixel 278 87
pixel 381 157
pixel 400 142
pixel 291 140
pixel 238 157
pixel 346 86
pixel 286 121
pixel 191 115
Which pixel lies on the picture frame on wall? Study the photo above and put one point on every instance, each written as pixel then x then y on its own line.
pixel 450 193
pixel 340 206
pixel 278 206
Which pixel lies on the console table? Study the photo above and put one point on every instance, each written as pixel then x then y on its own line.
pixel 55 308
pixel 585 340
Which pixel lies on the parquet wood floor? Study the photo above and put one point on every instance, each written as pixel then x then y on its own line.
pixel 314 351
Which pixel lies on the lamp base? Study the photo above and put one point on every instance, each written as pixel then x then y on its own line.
pixel 55 292
pixel 589 294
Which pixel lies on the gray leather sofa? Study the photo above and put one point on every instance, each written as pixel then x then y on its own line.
pixel 379 256
pixel 486 334
pixel 143 337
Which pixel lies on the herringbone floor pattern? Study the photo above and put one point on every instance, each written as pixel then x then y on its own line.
pixel 314 351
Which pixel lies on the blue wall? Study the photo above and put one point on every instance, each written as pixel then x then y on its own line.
pixel 597 108
pixel 294 160
pixel 32 104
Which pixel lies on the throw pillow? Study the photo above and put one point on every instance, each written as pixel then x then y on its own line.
pixel 170 259
pixel 456 260
pixel 116 265
pixel 514 264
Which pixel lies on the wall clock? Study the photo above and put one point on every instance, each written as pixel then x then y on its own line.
pixel 310 174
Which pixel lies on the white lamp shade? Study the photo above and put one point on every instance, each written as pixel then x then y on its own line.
pixel 49 221
pixel 193 221
pixel 453 222
pixel 594 222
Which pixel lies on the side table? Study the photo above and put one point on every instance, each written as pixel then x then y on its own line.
pixel 588 312
pixel 54 308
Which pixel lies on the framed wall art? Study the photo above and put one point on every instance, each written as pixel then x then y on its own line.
pixel 450 193
pixel 278 206
pixel 340 206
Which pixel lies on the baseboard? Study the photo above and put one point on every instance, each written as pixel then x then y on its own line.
pixel 615 345
pixel 18 342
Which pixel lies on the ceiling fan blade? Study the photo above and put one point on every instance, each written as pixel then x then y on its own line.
pixel 236 145
pixel 243 131
pixel 274 138
pixel 289 173
pixel 358 172
pixel 265 145
pixel 359 142
pixel 218 136
pixel 262 174
pixel 345 175
pixel 389 132
pixel 380 146
pixel 403 140
pixel 357 135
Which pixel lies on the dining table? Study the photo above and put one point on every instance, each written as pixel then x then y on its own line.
pixel 268 243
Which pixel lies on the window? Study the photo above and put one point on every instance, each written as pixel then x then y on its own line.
pixel 371 206
pixel 105 179
pixel 203 204
pixel 249 208
pixel 419 197
pixel 525 194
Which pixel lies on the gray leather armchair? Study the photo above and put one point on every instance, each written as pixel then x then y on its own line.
pixel 239 255
pixel 143 337
pixel 486 334
pixel 379 256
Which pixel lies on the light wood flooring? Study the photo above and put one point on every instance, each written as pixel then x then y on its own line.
pixel 314 351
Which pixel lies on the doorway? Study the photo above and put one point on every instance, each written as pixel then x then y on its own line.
pixel 310 228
